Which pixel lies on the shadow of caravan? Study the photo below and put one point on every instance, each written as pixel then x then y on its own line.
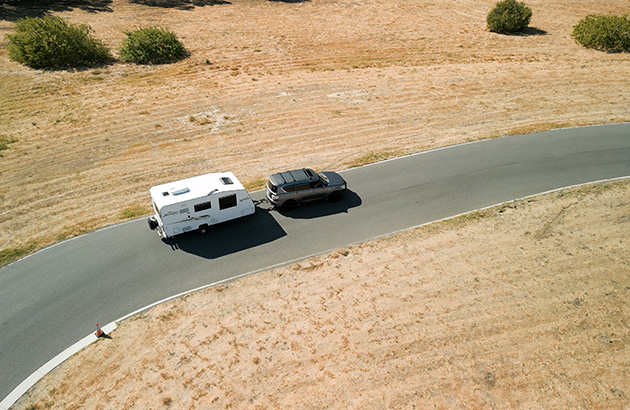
pixel 198 203
pixel 231 237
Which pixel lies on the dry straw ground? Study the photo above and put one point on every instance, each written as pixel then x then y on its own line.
pixel 524 306
pixel 272 84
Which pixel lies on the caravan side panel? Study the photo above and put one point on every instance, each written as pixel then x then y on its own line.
pixel 185 205
pixel 176 219
pixel 233 204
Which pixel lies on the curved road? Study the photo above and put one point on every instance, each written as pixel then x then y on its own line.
pixel 51 299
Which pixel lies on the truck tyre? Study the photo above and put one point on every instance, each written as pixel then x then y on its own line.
pixel 203 229
pixel 289 205
pixel 334 196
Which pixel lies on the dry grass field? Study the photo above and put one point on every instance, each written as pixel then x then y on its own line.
pixel 522 306
pixel 272 84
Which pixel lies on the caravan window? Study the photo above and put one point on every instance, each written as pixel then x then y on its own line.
pixel 203 206
pixel 227 201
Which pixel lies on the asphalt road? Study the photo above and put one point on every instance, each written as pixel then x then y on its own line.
pixel 52 299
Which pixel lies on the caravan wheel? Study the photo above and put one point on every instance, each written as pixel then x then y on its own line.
pixel 203 229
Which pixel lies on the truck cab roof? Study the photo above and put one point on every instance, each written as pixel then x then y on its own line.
pixel 298 175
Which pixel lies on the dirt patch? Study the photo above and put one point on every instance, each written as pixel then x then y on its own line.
pixel 274 85
pixel 520 306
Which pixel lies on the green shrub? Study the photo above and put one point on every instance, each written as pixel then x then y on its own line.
pixel 51 42
pixel 133 212
pixel 4 142
pixel 509 16
pixel 151 45
pixel 12 254
pixel 607 33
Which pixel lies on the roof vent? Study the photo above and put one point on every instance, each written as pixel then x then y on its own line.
pixel 178 190
pixel 226 181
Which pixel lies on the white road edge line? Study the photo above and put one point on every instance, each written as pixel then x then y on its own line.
pixel 48 367
pixel 23 387
pixel 242 275
pixel 413 154
pixel 345 170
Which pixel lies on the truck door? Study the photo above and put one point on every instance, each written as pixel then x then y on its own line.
pixel 317 190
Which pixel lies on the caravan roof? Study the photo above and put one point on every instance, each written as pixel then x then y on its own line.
pixel 193 188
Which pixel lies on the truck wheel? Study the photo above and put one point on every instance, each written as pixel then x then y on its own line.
pixel 334 196
pixel 290 205
pixel 203 229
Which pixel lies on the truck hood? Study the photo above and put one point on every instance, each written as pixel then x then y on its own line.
pixel 334 179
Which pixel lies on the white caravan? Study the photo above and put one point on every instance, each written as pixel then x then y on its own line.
pixel 197 203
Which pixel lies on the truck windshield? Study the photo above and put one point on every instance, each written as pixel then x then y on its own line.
pixel 322 177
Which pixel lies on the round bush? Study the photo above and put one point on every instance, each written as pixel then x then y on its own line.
pixel 509 16
pixel 51 42
pixel 607 33
pixel 151 45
